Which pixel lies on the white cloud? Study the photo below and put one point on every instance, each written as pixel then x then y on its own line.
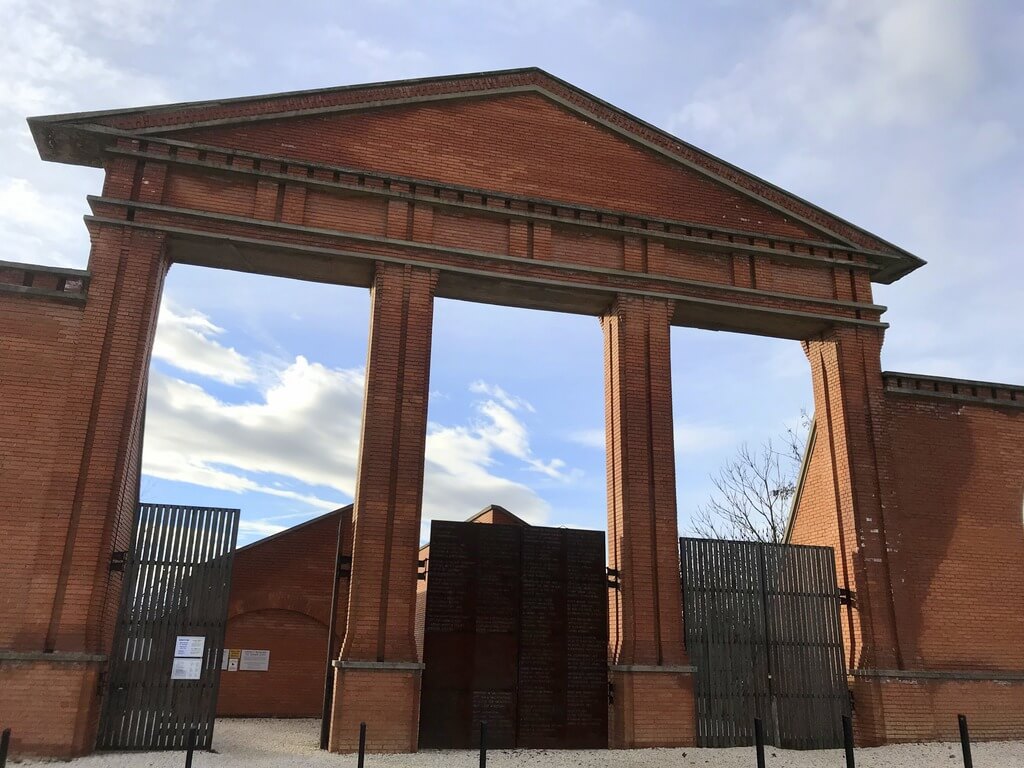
pixel 41 227
pixel 589 438
pixel 304 427
pixel 835 64
pixel 187 342
pixel 511 402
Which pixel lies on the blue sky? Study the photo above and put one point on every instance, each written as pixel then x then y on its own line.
pixel 904 116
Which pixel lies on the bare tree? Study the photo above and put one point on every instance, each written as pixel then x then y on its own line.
pixel 753 490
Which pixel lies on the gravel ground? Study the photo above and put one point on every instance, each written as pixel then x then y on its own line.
pixel 293 743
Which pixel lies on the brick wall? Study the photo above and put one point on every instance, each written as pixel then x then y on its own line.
pixel 280 601
pixel 953 462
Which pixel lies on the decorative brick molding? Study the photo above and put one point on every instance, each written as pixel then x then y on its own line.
pixel 966 390
pixel 38 280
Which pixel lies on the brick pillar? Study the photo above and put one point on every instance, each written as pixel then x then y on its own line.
pixel 652 682
pixel 850 415
pixel 49 684
pixel 378 676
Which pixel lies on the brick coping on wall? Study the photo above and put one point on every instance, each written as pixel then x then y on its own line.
pixel 984 675
pixel 966 390
pixel 44 281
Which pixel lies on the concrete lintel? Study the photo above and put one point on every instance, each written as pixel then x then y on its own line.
pixel 56 657
pixel 408 666
pixel 674 669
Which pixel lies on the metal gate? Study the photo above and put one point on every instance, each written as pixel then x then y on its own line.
pixel 762 629
pixel 165 666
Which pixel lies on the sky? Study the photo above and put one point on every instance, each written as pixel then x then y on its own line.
pixel 903 116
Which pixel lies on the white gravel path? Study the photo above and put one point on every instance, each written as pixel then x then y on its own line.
pixel 293 744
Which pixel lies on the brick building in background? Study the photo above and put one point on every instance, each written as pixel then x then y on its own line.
pixel 512 188
pixel 280 602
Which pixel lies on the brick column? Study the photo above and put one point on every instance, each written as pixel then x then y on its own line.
pixel 48 693
pixel 850 414
pixel 652 682
pixel 378 676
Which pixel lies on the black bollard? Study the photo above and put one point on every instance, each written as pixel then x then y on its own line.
pixel 5 743
pixel 848 740
pixel 759 741
pixel 483 745
pixel 965 741
pixel 190 747
pixel 362 744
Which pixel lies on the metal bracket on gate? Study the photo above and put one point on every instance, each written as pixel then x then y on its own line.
pixel 344 566
pixel 853 701
pixel 614 578
pixel 847 596
pixel 611 692
pixel 117 561
pixel 421 575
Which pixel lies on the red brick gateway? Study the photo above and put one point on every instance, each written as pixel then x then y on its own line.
pixel 511 188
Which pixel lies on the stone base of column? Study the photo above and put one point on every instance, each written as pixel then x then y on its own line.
pixel 902 706
pixel 385 696
pixel 653 707
pixel 49 702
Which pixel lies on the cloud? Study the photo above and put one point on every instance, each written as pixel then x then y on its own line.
pixel 589 438
pixel 835 64
pixel 38 226
pixel 297 436
pixel 509 401
pixel 187 342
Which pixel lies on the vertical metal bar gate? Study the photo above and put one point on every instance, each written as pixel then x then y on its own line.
pixel 762 629
pixel 164 669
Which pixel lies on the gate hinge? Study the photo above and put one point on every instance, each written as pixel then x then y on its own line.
pixel 614 578
pixel 611 692
pixel 853 701
pixel 117 561
pixel 847 596
pixel 101 683
pixel 421 574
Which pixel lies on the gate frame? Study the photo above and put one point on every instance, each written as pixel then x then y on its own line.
pixel 182 539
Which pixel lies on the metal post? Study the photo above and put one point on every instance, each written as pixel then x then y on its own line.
pixel 483 745
pixel 759 741
pixel 965 741
pixel 362 744
pixel 190 747
pixel 848 740
pixel 5 743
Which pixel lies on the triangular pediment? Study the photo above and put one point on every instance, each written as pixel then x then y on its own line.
pixel 521 132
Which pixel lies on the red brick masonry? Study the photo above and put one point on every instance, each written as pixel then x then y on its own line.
pixel 512 188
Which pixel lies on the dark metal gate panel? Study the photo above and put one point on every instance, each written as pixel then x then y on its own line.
pixel 515 635
pixel 762 629
pixel 177 580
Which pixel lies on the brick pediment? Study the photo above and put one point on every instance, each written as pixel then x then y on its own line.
pixel 519 132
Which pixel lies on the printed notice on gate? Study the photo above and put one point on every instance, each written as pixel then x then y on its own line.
pixel 187 669
pixel 255 661
pixel 189 646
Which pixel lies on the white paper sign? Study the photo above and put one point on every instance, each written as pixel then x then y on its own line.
pixel 232 665
pixel 187 669
pixel 189 646
pixel 224 659
pixel 255 661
